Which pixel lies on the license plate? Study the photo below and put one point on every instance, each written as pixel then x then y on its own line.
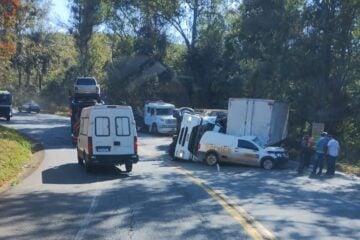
pixel 103 149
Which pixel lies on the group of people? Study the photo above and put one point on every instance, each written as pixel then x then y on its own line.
pixel 326 149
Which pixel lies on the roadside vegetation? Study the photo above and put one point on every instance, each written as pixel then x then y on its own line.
pixel 194 53
pixel 15 152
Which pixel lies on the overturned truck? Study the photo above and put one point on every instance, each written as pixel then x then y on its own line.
pixel 208 139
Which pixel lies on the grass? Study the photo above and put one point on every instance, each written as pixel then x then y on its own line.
pixel 351 168
pixel 15 152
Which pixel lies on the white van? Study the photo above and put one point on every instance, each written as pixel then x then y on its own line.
pixel 107 136
pixel 158 117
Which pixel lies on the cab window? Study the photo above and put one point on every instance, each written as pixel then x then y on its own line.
pixel 247 145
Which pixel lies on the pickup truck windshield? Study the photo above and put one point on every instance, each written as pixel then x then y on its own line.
pixel 164 111
pixel 5 99
pixel 259 142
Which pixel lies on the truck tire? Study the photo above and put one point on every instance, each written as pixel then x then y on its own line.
pixel 128 166
pixel 211 158
pixel 88 167
pixel 154 128
pixel 268 163
pixel 80 160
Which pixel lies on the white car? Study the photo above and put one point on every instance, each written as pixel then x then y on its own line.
pixel 86 86
pixel 217 147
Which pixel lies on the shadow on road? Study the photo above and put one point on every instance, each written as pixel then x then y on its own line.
pixel 75 174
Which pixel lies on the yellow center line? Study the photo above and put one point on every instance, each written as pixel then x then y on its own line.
pixel 256 230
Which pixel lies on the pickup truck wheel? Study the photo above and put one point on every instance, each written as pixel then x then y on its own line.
pixel 268 163
pixel 211 159
pixel 128 166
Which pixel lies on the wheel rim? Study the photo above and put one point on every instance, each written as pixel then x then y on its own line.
pixel 268 164
pixel 211 159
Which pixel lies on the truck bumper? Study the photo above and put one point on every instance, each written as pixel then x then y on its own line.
pixel 167 129
pixel 113 159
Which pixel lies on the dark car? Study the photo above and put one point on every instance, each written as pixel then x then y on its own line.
pixel 5 105
pixel 29 107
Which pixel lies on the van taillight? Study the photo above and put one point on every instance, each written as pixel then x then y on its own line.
pixel 135 144
pixel 90 145
pixel 199 146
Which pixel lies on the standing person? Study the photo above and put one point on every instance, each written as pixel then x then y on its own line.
pixel 320 151
pixel 305 153
pixel 333 148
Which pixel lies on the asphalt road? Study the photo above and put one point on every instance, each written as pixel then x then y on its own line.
pixel 162 199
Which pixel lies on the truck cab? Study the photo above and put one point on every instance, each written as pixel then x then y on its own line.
pixel 5 105
pixel 158 117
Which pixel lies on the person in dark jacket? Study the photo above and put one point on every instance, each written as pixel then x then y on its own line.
pixel 305 155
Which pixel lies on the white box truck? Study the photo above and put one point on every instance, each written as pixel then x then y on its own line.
pixel 266 119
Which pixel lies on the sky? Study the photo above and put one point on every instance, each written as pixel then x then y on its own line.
pixel 59 14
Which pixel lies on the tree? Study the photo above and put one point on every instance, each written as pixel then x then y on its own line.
pixel 86 14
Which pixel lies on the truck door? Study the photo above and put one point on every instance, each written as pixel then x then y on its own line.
pixel 245 152
pixel 182 145
pixel 147 115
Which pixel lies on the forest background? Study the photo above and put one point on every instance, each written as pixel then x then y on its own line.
pixel 195 53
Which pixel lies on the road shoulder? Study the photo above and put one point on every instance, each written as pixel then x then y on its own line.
pixel 29 167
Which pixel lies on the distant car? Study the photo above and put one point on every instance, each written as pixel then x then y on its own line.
pixel 29 107
pixel 85 86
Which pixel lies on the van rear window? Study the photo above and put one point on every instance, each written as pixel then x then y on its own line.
pixel 122 126
pixel 102 126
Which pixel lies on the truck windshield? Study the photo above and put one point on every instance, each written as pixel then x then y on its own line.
pixel 5 99
pixel 259 142
pixel 164 111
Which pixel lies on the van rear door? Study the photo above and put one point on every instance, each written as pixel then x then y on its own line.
pixel 114 132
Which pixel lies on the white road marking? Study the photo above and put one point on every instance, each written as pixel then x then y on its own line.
pixel 87 219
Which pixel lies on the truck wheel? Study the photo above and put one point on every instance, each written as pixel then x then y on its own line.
pixel 128 166
pixel 80 160
pixel 154 129
pixel 268 163
pixel 211 159
pixel 88 167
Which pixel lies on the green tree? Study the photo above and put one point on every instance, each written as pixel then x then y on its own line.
pixel 86 15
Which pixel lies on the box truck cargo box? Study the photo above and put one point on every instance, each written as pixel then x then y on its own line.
pixel 266 119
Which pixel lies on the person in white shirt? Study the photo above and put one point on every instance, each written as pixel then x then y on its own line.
pixel 333 148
